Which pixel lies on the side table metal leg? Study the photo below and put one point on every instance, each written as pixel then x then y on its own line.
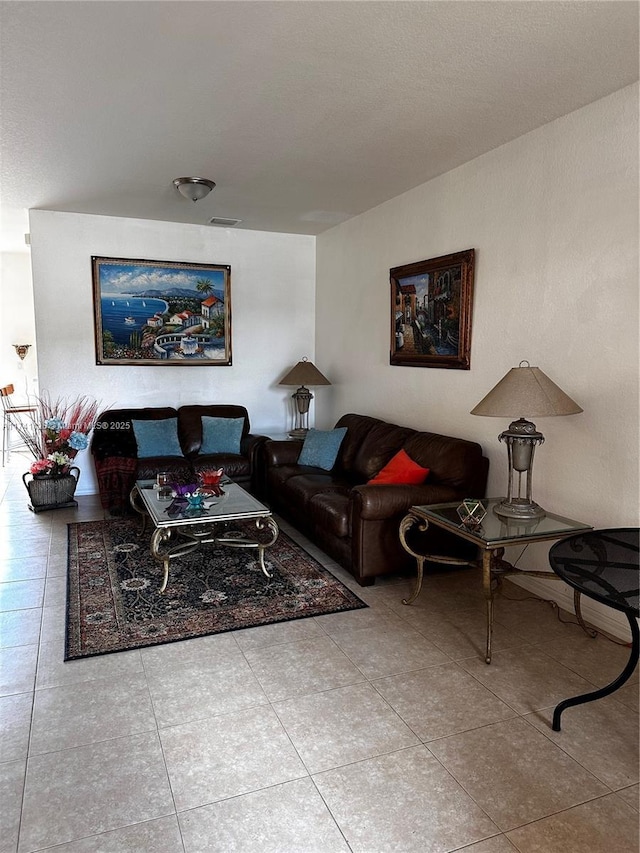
pixel 405 525
pixel 487 559
pixel 418 584
pixel 625 675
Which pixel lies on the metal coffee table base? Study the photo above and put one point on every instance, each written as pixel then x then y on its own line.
pixel 193 537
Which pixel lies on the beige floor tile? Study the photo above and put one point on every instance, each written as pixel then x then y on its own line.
pixel 598 659
pixel 92 789
pixel 600 826
pixel 18 669
pixel 337 624
pixel 530 777
pixel 57 565
pixel 228 755
pixel 441 701
pixel 534 619
pixel 288 818
pixel 89 712
pixel 53 625
pixel 23 568
pixel 600 735
pixel 193 693
pixel 497 844
pixel 342 726
pixel 200 652
pixel 405 801
pixel 629 695
pixel 20 627
pixel 308 666
pixel 389 650
pixel 11 786
pixel 461 633
pixel 53 671
pixel 21 595
pixel 274 635
pixel 631 796
pixel 15 722
pixel 55 592
pixel 526 678
pixel 153 836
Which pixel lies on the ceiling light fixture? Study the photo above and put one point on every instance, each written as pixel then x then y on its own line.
pixel 194 188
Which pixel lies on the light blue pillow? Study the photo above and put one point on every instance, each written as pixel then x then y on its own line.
pixel 321 447
pixel 221 435
pixel 157 438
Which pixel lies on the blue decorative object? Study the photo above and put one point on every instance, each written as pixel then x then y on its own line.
pixel 157 438
pixel 321 447
pixel 221 435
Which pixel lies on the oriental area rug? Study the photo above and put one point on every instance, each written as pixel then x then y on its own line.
pixel 113 602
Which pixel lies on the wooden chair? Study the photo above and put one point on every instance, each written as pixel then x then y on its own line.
pixel 9 412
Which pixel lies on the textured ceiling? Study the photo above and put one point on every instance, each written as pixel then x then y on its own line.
pixel 304 113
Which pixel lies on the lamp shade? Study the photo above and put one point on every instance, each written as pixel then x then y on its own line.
pixel 526 390
pixel 304 373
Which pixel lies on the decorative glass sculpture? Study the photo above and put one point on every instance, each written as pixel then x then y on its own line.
pixel 471 512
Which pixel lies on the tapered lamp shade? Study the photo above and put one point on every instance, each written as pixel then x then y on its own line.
pixel 525 390
pixel 302 374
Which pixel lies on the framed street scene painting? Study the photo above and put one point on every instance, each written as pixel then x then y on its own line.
pixel 431 304
pixel 161 312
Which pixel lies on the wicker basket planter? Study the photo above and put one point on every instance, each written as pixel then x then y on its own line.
pixel 47 492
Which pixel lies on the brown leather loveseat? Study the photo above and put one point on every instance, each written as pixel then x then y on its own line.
pixel 118 465
pixel 357 524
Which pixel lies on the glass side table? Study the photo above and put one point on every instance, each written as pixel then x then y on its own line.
pixel 491 536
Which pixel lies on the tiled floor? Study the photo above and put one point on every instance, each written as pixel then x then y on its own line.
pixel 370 731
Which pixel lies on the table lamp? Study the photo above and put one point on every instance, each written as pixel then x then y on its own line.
pixel 302 374
pixel 523 389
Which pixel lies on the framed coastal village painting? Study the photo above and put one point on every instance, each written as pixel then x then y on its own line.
pixel 431 303
pixel 161 312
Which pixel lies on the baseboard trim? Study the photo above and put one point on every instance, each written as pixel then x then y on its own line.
pixel 606 618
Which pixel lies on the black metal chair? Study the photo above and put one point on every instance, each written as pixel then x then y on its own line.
pixel 603 565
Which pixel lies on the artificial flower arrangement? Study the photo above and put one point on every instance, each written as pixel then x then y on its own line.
pixel 55 431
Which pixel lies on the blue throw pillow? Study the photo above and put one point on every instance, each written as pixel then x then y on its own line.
pixel 221 435
pixel 157 438
pixel 321 447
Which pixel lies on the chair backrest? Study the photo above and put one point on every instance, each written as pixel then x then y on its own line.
pixel 5 394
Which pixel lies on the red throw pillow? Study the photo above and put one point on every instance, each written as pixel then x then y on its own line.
pixel 401 469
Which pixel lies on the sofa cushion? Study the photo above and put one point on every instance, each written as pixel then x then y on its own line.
pixel 221 435
pixel 401 469
pixel 320 448
pixel 190 423
pixel 378 446
pixel 330 512
pixel 157 438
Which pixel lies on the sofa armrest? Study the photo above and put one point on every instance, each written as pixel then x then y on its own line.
pixel 281 452
pixel 376 502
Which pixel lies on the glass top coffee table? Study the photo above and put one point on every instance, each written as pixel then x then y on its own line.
pixel 180 529
pixel 492 535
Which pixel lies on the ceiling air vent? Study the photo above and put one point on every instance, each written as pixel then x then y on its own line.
pixel 224 223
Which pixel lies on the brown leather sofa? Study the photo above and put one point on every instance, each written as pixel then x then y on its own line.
pixel 357 524
pixel 114 451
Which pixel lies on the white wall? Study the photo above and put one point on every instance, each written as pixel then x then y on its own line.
pixel 553 217
pixel 18 324
pixel 272 299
